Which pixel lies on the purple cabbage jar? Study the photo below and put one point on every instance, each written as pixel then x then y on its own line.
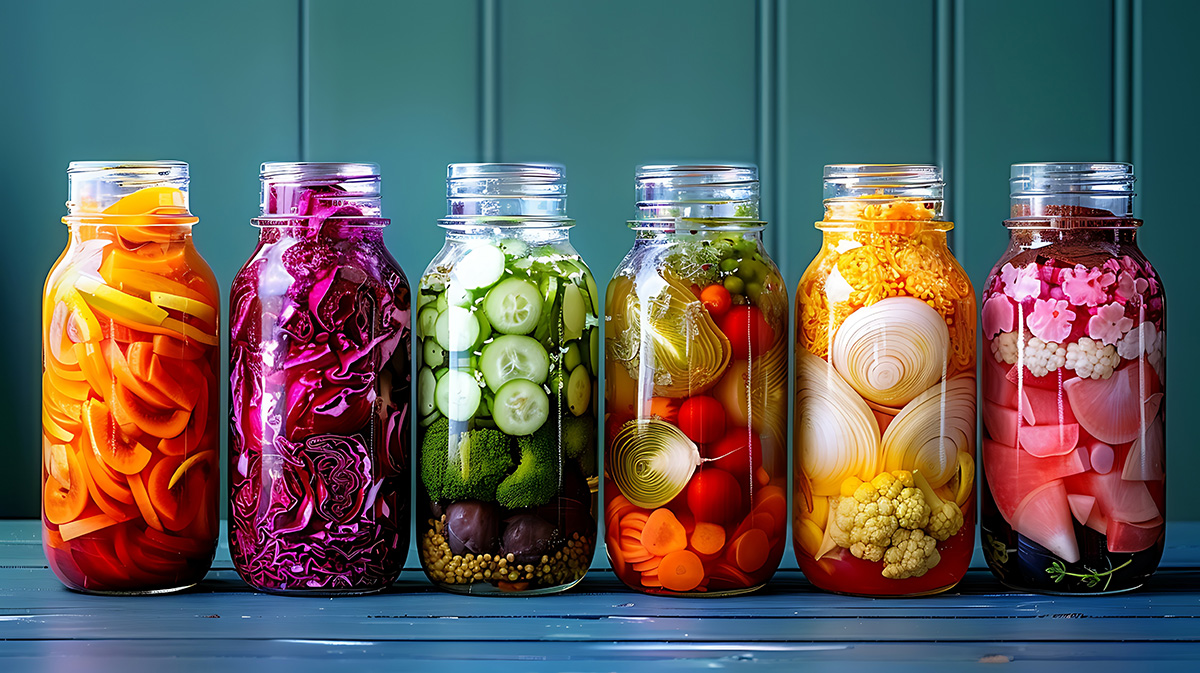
pixel 319 389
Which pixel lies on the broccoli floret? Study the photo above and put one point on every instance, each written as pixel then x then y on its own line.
pixel 579 442
pixel 467 467
pixel 535 480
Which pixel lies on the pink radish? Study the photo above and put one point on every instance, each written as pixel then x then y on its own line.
pixel 1049 440
pixel 1044 516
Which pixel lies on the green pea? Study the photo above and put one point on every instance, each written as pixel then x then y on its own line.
pixel 728 264
pixel 753 290
pixel 735 285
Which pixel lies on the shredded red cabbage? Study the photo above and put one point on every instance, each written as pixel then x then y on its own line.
pixel 319 378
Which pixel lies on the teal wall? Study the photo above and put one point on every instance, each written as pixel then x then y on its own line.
pixel 225 84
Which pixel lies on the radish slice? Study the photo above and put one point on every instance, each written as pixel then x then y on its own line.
pixel 996 386
pixel 1044 516
pixel 1102 457
pixel 1097 522
pixel 1001 423
pixel 1116 410
pixel 1045 407
pixel 1118 499
pixel 1081 506
pixel 1146 456
pixel 1127 538
pixel 1049 440
pixel 1012 474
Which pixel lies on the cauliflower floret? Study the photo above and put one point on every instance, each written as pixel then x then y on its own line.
pixel 1091 359
pixel 945 517
pixel 1004 347
pixel 868 517
pixel 1043 357
pixel 912 554
pixel 1145 338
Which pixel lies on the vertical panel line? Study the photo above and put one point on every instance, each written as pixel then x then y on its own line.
pixel 303 87
pixel 489 78
pixel 1122 114
pixel 765 151
pixel 943 119
pixel 779 190
pixel 1136 121
pixel 957 152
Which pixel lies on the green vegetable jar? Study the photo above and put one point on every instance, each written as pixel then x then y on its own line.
pixel 507 356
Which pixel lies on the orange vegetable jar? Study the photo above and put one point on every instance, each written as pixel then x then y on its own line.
pixel 884 468
pixel 129 386
pixel 696 390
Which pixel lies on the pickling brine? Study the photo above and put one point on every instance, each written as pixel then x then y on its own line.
pixel 885 391
pixel 696 390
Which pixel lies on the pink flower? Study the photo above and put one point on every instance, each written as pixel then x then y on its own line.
pixel 1086 286
pixel 1051 320
pixel 998 315
pixel 1129 286
pixel 1109 324
pixel 1022 283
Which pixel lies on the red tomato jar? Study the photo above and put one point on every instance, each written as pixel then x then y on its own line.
pixel 696 390
pixel 1074 384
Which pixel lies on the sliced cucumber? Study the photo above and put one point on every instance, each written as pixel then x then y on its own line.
pixel 547 330
pixel 574 312
pixel 426 383
pixel 513 306
pixel 481 267
pixel 457 295
pixel 432 354
pixel 427 421
pixel 485 328
pixel 593 291
pixel 427 322
pixel 521 407
pixel 442 302
pixel 579 391
pixel 511 357
pixel 514 247
pixel 458 395
pixel 594 338
pixel 457 329
pixel 424 298
pixel 573 357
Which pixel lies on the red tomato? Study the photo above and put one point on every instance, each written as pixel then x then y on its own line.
pixel 739 452
pixel 665 408
pixel 714 495
pixel 747 330
pixel 717 300
pixel 702 419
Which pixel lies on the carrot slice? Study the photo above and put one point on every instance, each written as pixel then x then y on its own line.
pixel 750 551
pixel 118 454
pixel 91 524
pixel 177 544
pixel 109 506
pixel 168 346
pixel 123 371
pixel 651 581
pixel 681 571
pixel 708 538
pixel 61 502
pixel 725 573
pixel 76 390
pixel 650 565
pixel 94 368
pixel 129 408
pixel 762 476
pixel 176 507
pixel 142 498
pixel 188 463
pixel 663 534
pixel 616 558
pixel 180 381
pixel 190 438
pixel 109 481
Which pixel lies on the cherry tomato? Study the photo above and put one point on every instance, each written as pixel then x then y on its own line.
pixel 739 452
pixel 665 408
pixel 717 300
pixel 748 331
pixel 702 419
pixel 714 496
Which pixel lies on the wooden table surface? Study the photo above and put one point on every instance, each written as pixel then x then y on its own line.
pixel 598 626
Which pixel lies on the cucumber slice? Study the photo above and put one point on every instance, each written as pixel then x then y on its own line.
pixel 546 332
pixel 594 363
pixel 573 357
pixel 574 312
pixel 432 354
pixel 512 357
pixel 520 408
pixel 442 302
pixel 457 395
pixel 457 329
pixel 579 391
pixel 481 267
pixel 427 322
pixel 514 247
pixel 513 306
pixel 439 374
pixel 424 298
pixel 485 328
pixel 427 421
pixel 426 383
pixel 593 291
pixel 457 295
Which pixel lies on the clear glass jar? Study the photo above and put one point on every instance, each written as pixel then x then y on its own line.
pixel 319 389
pixel 885 391
pixel 1073 316
pixel 506 388
pixel 129 386
pixel 696 389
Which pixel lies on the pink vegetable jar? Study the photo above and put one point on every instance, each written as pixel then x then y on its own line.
pixel 1073 388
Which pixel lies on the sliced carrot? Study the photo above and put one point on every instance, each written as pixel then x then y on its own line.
pixel 111 482
pixel 663 534
pixel 616 557
pixel 634 519
pixel 123 372
pixel 189 463
pixel 142 498
pixel 76 390
pixel 681 571
pixel 112 507
pixel 171 347
pixel 666 408
pixel 125 457
pixel 187 441
pixel 52 537
pixel 750 551
pixel 651 581
pixel 53 430
pixel 762 476
pixel 61 502
pixel 176 507
pixel 94 368
pixel 180 381
pixel 91 524
pixel 176 543
pixel 129 408
pixel 649 565
pixel 708 538
pixel 124 334
pixel 728 574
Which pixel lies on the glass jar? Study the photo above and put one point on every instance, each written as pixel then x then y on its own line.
pixel 1073 316
pixel 506 388
pixel 696 389
pixel 129 386
pixel 884 471
pixel 319 389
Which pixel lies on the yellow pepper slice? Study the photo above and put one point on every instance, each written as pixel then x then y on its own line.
pixel 94 368
pixel 810 536
pixel 149 200
pixel 54 429
pixel 76 390
pixel 187 464
pixel 142 283
pixel 185 305
pixel 118 304
pixel 82 317
pixel 191 332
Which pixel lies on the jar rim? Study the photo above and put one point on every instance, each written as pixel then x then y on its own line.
pixel 282 171
pixel 505 222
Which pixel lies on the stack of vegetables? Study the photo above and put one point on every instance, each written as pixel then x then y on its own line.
pixel 319 403
pixel 129 400
pixel 885 404
pixel 697 416
pixel 1074 413
pixel 508 344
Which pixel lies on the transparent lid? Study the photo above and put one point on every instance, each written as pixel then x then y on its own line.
pixel 533 194
pixel 848 188
pixel 299 188
pixel 727 193
pixel 100 188
pixel 1071 189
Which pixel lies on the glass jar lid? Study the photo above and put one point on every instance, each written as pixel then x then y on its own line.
pixel 1079 189
pixel 104 191
pixel 506 194
pixel 300 188
pixel 706 195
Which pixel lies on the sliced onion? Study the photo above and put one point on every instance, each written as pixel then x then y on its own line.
pixel 892 350
pixel 930 431
pixel 837 436
pixel 651 461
